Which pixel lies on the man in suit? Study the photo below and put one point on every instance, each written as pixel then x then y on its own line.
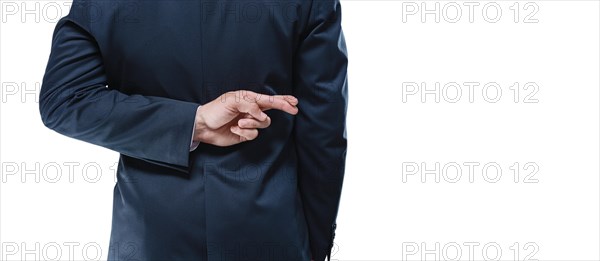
pixel 229 118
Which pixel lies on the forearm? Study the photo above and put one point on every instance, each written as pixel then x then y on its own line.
pixel 75 101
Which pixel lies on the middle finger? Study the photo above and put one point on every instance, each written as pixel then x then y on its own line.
pixel 251 123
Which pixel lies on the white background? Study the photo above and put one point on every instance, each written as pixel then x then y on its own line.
pixel 389 209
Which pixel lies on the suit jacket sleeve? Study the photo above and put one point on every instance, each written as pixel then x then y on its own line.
pixel 320 127
pixel 75 101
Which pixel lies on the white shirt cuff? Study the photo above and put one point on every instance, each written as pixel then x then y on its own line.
pixel 194 144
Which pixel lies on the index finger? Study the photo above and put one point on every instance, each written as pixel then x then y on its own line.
pixel 286 103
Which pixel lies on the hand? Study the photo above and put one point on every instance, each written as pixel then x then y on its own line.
pixel 236 116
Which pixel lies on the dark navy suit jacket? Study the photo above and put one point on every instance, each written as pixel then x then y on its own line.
pixel 128 75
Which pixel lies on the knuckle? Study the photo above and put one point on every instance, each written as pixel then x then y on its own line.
pixel 253 135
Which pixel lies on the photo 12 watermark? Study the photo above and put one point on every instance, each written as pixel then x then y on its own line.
pixel 470 172
pixel 470 92
pixel 469 251
pixel 469 12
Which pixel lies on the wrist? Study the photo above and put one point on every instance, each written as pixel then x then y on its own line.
pixel 200 126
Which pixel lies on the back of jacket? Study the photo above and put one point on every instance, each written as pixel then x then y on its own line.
pixel 129 76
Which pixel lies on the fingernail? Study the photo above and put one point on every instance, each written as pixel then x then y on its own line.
pixel 263 115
